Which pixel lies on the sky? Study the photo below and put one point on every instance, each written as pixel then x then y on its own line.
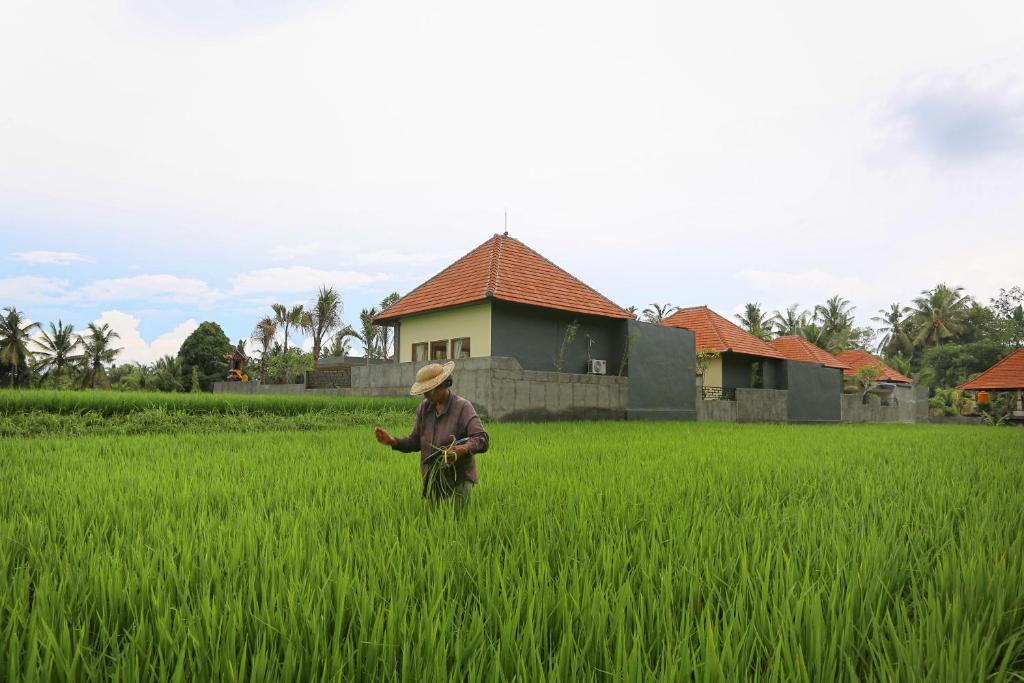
pixel 162 164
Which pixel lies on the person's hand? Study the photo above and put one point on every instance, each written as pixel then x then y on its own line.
pixel 383 437
pixel 455 452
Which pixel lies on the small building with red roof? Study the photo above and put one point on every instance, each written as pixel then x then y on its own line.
pixel 744 361
pixel 505 299
pixel 1005 375
pixel 799 349
pixel 859 358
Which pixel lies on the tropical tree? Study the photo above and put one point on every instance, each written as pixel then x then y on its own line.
pixel 323 316
pixel 1009 309
pixel 369 333
pixel 56 351
pixel 339 346
pixel 790 322
pixel 287 318
pixel 97 349
pixel 835 318
pixel 755 321
pixel 264 334
pixel 633 311
pixel 14 341
pixel 894 328
pixel 384 332
pixel 655 313
pixel 167 371
pixel 937 314
pixel 206 350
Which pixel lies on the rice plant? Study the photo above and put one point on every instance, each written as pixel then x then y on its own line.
pixel 591 551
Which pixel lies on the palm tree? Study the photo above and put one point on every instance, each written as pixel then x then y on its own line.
pixel 835 317
pixel 323 316
pixel 937 314
pixel 894 323
pixel 755 321
pixel 56 350
pixel 97 350
pixel 369 333
pixel 14 342
pixel 790 322
pixel 168 373
pixel 633 311
pixel 339 345
pixel 288 318
pixel 385 331
pixel 655 313
pixel 264 334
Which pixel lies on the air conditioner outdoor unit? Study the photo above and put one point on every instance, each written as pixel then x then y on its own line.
pixel 597 367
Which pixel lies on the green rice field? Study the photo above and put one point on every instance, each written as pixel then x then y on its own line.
pixel 238 551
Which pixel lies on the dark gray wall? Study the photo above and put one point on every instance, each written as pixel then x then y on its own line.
pixel 662 373
pixel 534 336
pixel 736 368
pixel 814 392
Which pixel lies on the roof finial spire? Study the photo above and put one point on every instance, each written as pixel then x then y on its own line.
pixel 506 222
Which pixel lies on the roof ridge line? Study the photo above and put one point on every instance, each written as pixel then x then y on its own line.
pixel 497 262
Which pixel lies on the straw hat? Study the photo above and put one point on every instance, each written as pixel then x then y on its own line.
pixel 430 376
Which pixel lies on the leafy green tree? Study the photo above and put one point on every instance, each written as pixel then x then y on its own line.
pixel 1009 309
pixel 755 321
pixel 56 352
pixel 205 351
pixel 287 318
pixel 323 317
pixel 167 372
pixel 14 344
pixel 97 351
pixel 285 367
pixel 195 385
pixel 953 364
pixel 938 313
pixel 655 313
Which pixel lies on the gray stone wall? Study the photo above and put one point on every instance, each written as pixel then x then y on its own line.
pixel 502 390
pixel 329 379
pixel 751 405
pixel 661 368
pixel 814 392
pixel 907 404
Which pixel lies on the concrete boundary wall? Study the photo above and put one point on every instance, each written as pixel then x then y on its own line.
pixel 499 388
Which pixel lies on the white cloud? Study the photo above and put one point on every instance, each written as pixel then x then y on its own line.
pixel 161 288
pixel 299 279
pixel 347 255
pixel 135 348
pixel 57 258
pixel 30 289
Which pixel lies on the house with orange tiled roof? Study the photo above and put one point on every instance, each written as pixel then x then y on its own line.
pixel 859 358
pixel 744 360
pixel 1006 375
pixel 505 299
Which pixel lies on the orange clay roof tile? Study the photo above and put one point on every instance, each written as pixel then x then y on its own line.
pixel 715 333
pixel 505 269
pixel 798 348
pixel 1006 374
pixel 858 358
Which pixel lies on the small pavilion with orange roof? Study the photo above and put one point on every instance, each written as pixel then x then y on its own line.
pixel 856 359
pixel 1006 375
pixel 505 299
pixel 744 361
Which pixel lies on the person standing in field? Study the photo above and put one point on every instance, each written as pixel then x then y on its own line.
pixel 447 428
